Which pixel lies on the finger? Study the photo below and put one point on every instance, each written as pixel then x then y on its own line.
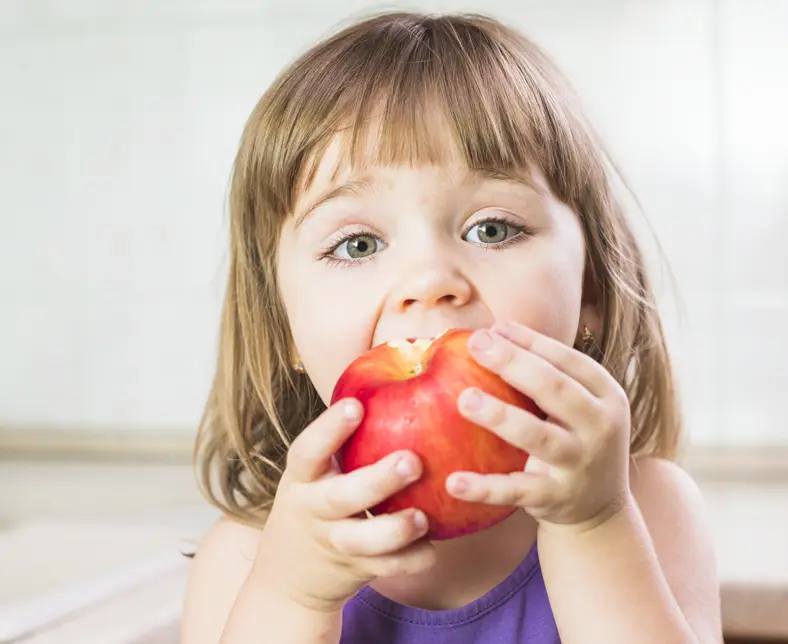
pixel 583 368
pixel 379 535
pixel 557 394
pixel 309 457
pixel 540 438
pixel 346 495
pixel 521 489
pixel 415 558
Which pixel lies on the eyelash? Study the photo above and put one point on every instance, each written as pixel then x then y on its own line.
pixel 523 232
pixel 342 237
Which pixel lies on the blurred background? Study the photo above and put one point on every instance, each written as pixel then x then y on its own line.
pixel 118 126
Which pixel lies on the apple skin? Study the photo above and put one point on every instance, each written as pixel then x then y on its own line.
pixel 409 390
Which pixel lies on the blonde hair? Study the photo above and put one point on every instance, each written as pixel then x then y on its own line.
pixel 508 109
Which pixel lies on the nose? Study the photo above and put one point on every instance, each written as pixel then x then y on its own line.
pixel 428 286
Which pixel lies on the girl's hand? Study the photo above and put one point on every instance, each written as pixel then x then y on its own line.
pixel 578 472
pixel 316 546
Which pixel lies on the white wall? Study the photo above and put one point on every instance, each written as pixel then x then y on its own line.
pixel 118 124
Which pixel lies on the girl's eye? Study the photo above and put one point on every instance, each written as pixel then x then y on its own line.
pixel 357 247
pixel 491 232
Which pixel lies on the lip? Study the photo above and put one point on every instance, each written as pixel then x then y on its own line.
pixel 431 338
pixel 425 337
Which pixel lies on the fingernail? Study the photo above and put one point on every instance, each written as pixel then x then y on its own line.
pixel 458 484
pixel 405 468
pixel 481 341
pixel 506 329
pixel 472 399
pixel 420 521
pixel 351 410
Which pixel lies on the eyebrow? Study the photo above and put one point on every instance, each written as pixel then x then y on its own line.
pixel 352 188
pixel 356 187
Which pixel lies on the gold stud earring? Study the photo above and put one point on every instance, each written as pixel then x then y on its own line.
pixel 298 367
pixel 588 338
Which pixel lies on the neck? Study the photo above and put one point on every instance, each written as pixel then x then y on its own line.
pixel 466 567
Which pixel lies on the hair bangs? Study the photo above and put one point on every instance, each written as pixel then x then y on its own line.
pixel 431 93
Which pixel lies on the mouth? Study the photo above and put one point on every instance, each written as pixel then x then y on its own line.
pixel 413 350
pixel 420 342
pixel 428 338
pixel 418 345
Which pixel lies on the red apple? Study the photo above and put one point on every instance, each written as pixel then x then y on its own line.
pixel 409 389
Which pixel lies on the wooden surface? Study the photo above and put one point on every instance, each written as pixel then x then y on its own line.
pixel 749 521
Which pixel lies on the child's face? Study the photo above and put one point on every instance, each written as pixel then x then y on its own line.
pixel 409 252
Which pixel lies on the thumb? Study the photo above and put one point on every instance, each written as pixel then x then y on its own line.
pixel 311 454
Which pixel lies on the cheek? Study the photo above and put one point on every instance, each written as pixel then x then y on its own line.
pixel 331 322
pixel 326 350
pixel 549 299
pixel 558 306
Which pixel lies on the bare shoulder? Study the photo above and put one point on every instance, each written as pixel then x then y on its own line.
pixel 219 568
pixel 675 512
pixel 659 483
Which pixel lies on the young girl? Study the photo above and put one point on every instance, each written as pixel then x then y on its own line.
pixel 411 174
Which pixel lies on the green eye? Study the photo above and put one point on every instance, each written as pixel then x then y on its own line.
pixel 491 232
pixel 352 248
pixel 359 246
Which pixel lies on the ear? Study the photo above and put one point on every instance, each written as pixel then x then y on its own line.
pixel 590 307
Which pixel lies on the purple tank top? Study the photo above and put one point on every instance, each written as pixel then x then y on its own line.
pixel 516 611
